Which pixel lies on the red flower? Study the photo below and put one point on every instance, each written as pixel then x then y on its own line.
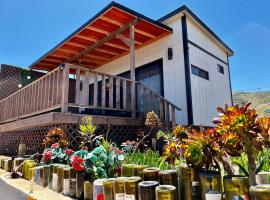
pixel 47 156
pixel 84 148
pixel 100 196
pixel 55 145
pixel 69 152
pixel 77 163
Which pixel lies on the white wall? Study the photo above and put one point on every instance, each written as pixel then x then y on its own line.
pixel 173 70
pixel 207 95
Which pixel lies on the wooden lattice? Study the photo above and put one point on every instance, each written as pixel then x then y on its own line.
pixel 10 78
pixel 9 141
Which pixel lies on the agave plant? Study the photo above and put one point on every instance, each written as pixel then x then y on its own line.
pixel 240 127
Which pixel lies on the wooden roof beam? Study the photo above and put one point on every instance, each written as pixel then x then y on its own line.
pixel 98 30
pixel 145 33
pixel 112 21
pixel 99 50
pixel 97 57
pixel 107 43
pixel 103 41
pixel 127 40
pixel 107 52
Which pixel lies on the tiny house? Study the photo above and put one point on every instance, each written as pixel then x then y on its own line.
pixel 116 67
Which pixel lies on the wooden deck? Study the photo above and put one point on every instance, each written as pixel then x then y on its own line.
pixel 67 118
pixel 78 90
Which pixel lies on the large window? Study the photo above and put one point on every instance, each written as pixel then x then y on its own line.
pixel 199 72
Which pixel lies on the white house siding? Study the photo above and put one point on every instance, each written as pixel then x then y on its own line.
pixel 173 70
pixel 207 95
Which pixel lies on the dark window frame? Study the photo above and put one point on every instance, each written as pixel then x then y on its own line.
pixel 220 69
pixel 199 72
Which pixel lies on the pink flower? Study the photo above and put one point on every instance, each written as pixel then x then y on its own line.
pixel 69 152
pixel 47 156
pixel 55 145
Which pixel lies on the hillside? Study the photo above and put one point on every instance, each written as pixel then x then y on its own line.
pixel 259 100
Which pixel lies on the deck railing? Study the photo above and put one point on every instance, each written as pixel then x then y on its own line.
pixel 77 89
pixel 40 96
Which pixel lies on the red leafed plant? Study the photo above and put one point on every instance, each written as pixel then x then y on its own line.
pixel 77 163
pixel 242 130
pixel 56 135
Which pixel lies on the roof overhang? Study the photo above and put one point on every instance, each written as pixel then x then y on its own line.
pixel 103 38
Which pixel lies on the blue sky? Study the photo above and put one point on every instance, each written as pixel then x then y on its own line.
pixel 31 28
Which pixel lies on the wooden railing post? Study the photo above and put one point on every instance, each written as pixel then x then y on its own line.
pixel 132 71
pixel 65 88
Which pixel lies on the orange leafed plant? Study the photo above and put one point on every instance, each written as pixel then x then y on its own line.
pixel 242 130
pixel 56 135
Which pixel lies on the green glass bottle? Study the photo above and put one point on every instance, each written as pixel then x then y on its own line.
pixel 72 183
pixel 260 192
pixel 131 188
pixel 147 190
pixel 79 184
pixel 187 175
pixel 138 170
pixel 127 170
pixel 166 192
pixel 209 180
pixel 150 174
pixel 119 188
pixel 235 186
pixel 60 174
pixel 88 190
pixel 108 189
pixel 66 182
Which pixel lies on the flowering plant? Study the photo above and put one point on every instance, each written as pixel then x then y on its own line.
pixel 77 163
pixel 47 156
pixel 55 154
pixel 56 135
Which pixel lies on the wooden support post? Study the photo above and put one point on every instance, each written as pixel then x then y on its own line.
pixel 65 88
pixel 103 100
pixel 132 70
pixel 111 93
pixel 95 100
pixel 117 98
pixel 86 88
pixel 124 94
pixel 78 84
pixel 173 117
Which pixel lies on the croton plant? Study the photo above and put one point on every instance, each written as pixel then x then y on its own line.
pixel 243 130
